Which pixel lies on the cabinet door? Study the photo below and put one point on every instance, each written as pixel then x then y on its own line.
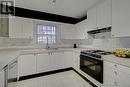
pixel 13 70
pixel 68 59
pixel 56 61
pixel 15 27
pixel 12 74
pixel 108 75
pixel 123 79
pixel 104 14
pixel 27 65
pixel 2 78
pixel 0 26
pixel 4 26
pixel 43 62
pixel 120 18
pixel 77 61
pixel 91 18
pixel 27 28
pixel 123 76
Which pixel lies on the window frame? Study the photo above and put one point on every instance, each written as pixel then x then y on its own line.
pixel 45 24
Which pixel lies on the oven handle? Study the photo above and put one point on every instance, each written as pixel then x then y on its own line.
pixel 91 57
pixel 97 62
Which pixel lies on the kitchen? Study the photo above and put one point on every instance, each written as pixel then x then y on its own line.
pixel 56 43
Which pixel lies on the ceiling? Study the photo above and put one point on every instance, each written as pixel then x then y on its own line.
pixel 70 8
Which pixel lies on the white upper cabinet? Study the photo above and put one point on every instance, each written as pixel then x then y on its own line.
pixel 120 18
pixel 104 14
pixel 99 16
pixel 4 24
pixel 20 27
pixel 91 18
pixel 15 27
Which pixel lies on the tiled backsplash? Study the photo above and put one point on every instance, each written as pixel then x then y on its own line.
pixel 107 44
pixel 14 42
pixel 112 43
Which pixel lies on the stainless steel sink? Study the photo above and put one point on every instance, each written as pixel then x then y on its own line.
pixel 51 48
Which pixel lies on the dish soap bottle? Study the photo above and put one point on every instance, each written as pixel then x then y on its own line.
pixel 75 46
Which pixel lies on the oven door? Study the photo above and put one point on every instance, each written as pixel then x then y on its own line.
pixel 92 67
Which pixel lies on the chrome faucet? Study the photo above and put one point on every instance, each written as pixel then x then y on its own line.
pixel 47 45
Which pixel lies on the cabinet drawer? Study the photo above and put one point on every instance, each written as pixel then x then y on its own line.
pixel 116 75
pixel 123 79
pixel 118 67
pixel 123 69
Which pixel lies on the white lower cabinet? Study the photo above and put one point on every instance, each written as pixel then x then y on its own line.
pixel 54 61
pixel 2 78
pixel 43 62
pixel 68 59
pixel 123 79
pixel 116 75
pixel 27 64
pixel 30 64
pixel 76 61
pixel 49 61
pixel 109 78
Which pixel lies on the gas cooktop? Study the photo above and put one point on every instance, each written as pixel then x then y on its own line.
pixel 94 53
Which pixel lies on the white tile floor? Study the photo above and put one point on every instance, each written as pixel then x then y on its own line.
pixel 63 79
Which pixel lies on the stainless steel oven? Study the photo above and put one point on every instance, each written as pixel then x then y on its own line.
pixel 92 64
pixel 92 67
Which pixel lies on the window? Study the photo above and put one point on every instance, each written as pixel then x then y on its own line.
pixel 46 34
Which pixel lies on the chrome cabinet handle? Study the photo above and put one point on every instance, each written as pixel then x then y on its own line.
pixel 115 83
pixel 116 66
pixel 115 72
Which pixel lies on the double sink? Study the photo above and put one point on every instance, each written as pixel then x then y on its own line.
pixel 40 50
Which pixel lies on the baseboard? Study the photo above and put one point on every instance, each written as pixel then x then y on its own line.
pixel 50 73
pixel 44 74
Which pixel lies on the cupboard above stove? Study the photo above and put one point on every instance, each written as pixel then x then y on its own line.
pixel 120 18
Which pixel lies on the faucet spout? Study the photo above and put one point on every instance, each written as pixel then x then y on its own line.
pixel 47 45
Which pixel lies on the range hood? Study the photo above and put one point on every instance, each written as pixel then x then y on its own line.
pixel 107 29
pixel 103 33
